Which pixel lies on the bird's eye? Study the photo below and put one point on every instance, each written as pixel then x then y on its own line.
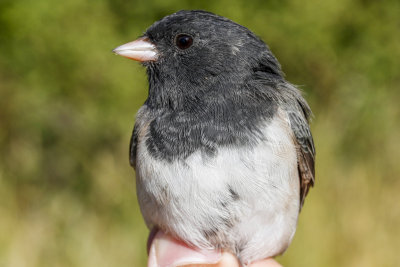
pixel 184 41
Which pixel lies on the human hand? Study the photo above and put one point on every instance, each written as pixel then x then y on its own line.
pixel 164 251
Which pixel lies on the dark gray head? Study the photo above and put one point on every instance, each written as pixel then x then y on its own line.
pixel 195 52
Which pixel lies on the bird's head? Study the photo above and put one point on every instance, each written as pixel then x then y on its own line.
pixel 189 53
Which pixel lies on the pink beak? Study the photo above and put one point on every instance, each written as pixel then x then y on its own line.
pixel 141 50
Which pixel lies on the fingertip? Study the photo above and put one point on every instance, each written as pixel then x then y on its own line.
pixel 227 260
pixel 166 251
pixel 270 262
pixel 150 239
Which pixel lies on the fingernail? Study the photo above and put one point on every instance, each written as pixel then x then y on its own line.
pixel 168 252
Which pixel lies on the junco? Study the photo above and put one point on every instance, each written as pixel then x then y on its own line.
pixel 222 148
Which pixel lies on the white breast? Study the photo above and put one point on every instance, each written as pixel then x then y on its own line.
pixel 192 196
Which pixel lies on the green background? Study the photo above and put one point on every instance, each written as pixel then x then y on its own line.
pixel 67 105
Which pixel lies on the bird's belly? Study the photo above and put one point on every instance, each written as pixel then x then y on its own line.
pixel 245 200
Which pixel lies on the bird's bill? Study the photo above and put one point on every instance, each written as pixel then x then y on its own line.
pixel 141 50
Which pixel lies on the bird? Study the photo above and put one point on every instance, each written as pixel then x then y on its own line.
pixel 222 148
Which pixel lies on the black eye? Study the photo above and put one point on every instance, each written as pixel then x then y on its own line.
pixel 184 41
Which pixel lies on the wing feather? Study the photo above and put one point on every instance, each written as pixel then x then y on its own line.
pixel 306 151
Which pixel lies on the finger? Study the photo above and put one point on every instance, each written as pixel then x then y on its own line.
pixel 167 251
pixel 227 260
pixel 266 263
pixel 150 239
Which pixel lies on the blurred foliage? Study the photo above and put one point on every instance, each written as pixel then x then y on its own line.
pixel 67 108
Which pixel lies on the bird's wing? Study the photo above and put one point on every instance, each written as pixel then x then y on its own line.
pixel 305 151
pixel 132 147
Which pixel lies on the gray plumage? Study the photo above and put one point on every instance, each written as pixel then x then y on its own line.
pixel 222 148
